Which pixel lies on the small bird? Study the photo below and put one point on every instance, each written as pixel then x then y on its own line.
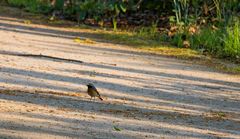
pixel 93 92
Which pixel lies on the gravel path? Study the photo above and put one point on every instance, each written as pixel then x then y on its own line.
pixel 145 96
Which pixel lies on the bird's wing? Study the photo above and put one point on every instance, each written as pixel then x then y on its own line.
pixel 96 90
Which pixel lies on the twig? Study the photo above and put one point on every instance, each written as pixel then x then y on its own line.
pixel 41 56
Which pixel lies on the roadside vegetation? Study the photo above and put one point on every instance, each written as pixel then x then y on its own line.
pixel 181 28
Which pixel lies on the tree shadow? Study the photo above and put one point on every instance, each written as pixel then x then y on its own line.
pixel 189 100
pixel 149 91
pixel 101 109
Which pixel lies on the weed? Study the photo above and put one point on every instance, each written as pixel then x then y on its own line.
pixel 232 42
pixel 209 40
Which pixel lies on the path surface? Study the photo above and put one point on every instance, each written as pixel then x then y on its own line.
pixel 144 96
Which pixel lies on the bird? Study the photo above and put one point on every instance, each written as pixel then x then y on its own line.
pixel 93 92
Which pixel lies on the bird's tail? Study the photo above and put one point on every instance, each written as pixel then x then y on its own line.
pixel 100 98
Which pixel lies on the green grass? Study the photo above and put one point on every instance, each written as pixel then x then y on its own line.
pixel 232 42
pixel 33 6
pixel 222 43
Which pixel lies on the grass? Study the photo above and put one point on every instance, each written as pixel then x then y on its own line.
pixel 145 40
pixel 222 43
pixel 33 6
pixel 146 44
pixel 232 42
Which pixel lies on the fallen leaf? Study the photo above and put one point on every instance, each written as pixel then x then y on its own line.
pixel 51 111
pixel 83 40
pixel 186 44
pixel 27 22
pixel 116 128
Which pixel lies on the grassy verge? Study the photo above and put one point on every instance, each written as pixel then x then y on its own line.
pixel 153 46
pixel 140 40
pixel 165 49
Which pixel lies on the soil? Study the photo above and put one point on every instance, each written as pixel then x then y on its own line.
pixel 43 77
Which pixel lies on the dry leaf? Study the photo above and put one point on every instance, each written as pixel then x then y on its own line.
pixel 83 40
pixel 27 22
pixel 186 44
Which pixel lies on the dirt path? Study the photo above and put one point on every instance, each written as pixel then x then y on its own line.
pixel 144 96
